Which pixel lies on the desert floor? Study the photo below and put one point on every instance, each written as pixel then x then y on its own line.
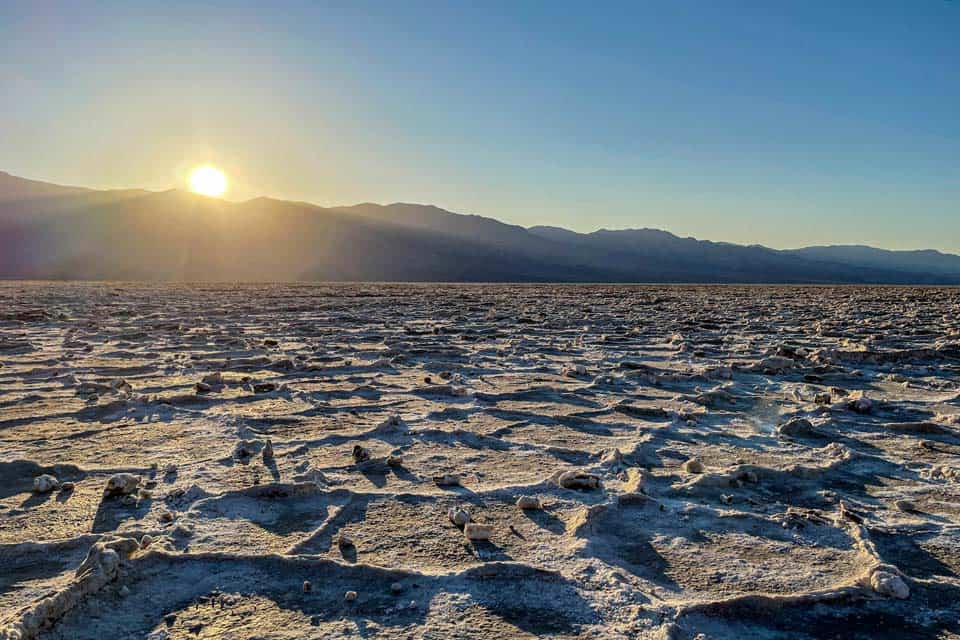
pixel 702 462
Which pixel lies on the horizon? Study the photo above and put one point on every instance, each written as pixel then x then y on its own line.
pixel 182 189
pixel 780 125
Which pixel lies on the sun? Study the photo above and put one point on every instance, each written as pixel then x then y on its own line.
pixel 208 180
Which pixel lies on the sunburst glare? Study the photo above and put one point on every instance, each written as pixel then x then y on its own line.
pixel 208 180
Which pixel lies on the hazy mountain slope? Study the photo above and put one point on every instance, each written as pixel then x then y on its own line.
pixel 29 200
pixel 657 256
pixel 436 219
pixel 181 236
pixel 477 230
pixel 921 260
pixel 48 231
pixel 17 188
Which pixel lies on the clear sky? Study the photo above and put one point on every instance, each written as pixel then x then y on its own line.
pixel 773 122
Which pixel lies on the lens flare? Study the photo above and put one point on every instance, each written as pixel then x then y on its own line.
pixel 208 180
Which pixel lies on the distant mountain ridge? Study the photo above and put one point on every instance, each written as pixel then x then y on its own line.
pixel 57 232
pixel 927 260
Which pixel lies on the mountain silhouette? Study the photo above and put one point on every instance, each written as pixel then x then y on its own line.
pixel 58 232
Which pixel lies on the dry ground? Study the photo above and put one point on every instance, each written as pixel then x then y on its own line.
pixel 809 530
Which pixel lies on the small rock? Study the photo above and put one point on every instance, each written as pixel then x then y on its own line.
pixel 529 503
pixel 350 596
pixel 693 465
pixel 213 379
pixel 474 531
pixel 612 458
pixel 122 484
pixel 907 506
pixel 458 516
pixel 446 480
pixel 307 587
pixel 578 480
pixel 45 483
pixel 774 364
pixel 360 454
pixel 268 451
pixel 124 591
pixel 573 370
pixel 392 423
pixel 67 487
pixel 860 403
pixel 344 541
pixel 394 460
pixel 887 583
pixel 242 450
pixel 264 387
pixel 796 428
pixel 396 587
pixel 203 387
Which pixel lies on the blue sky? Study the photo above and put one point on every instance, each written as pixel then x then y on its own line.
pixel 781 123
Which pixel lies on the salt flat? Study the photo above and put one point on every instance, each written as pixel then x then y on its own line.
pixel 754 462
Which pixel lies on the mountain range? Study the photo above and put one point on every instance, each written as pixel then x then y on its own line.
pixel 50 231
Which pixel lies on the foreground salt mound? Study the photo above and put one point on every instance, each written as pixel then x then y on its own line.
pixel 100 568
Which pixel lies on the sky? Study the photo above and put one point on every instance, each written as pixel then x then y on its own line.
pixel 771 122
